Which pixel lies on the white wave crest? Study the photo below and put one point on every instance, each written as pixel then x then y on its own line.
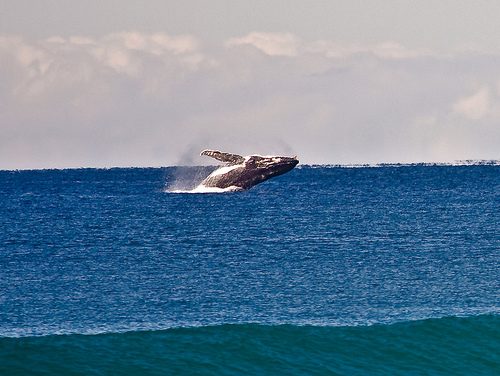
pixel 203 189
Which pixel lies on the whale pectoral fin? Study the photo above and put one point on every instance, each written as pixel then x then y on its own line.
pixel 223 157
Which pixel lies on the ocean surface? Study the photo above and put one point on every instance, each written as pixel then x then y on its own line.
pixel 326 270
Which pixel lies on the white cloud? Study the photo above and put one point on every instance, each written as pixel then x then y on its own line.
pixel 388 50
pixel 274 44
pixel 146 99
pixel 155 44
pixel 476 106
pixel 287 44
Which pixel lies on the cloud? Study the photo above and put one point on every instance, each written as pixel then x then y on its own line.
pixel 273 44
pixel 137 99
pixel 475 107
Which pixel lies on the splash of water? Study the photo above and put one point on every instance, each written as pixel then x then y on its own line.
pixel 203 189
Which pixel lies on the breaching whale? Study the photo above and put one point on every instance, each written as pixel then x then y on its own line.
pixel 242 173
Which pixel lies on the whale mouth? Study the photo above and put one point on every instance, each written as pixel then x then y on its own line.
pixel 280 165
pixel 272 164
pixel 288 161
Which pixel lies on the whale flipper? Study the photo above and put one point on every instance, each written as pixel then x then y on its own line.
pixel 224 157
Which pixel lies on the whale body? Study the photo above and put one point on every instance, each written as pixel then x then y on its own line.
pixel 241 173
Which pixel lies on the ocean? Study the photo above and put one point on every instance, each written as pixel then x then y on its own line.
pixel 326 270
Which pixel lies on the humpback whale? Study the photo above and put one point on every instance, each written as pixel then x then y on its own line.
pixel 241 173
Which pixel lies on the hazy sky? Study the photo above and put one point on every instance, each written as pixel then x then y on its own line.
pixel 152 83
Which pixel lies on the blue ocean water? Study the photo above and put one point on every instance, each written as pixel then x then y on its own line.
pixel 326 270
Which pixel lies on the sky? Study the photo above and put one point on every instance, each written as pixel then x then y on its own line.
pixel 153 83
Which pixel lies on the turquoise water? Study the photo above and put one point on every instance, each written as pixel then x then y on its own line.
pixel 446 346
pixel 389 270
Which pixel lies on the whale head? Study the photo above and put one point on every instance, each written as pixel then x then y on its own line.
pixel 266 167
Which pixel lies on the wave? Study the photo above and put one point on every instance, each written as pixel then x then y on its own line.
pixel 445 346
pixel 203 189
